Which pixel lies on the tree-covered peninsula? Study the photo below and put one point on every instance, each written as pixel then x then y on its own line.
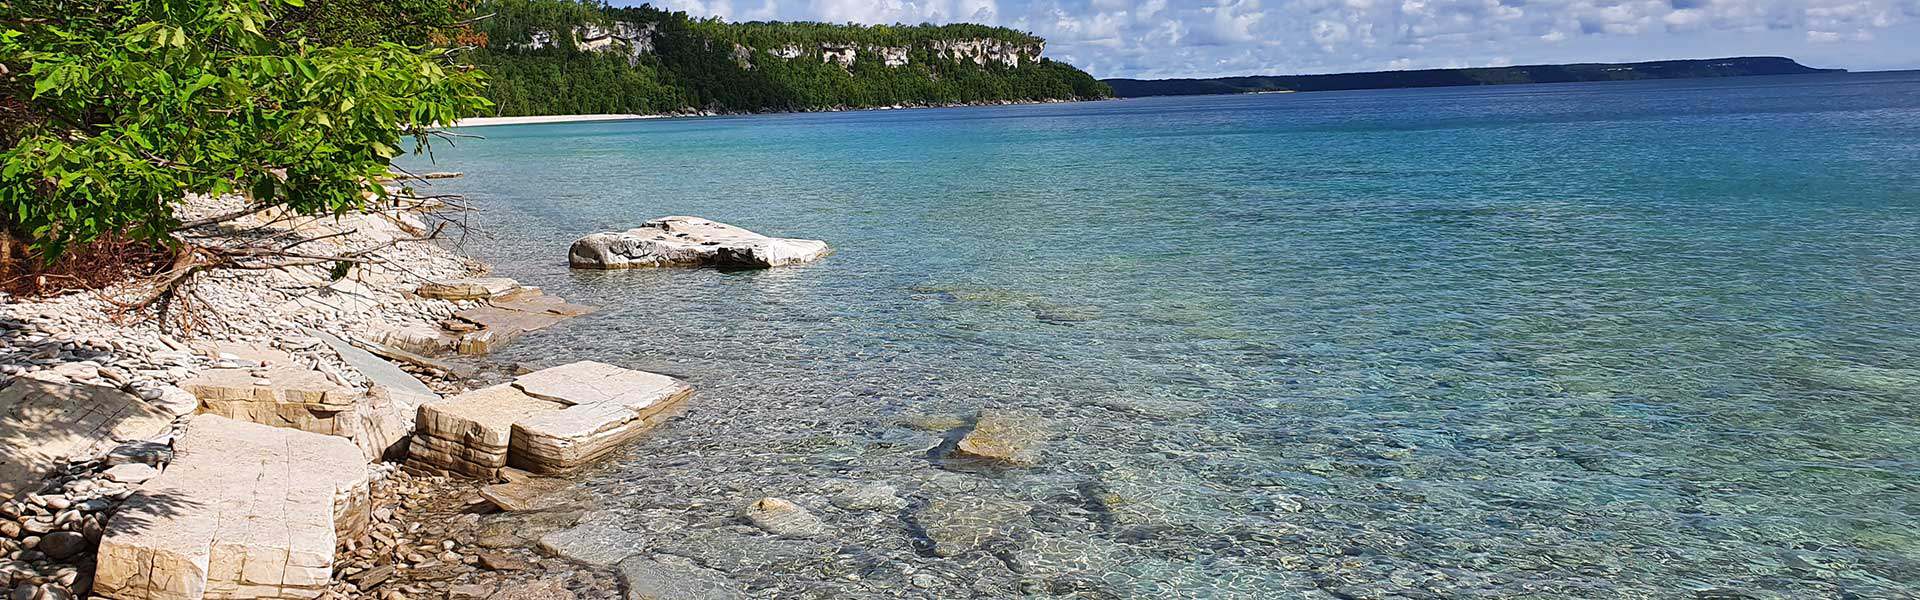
pixel 574 57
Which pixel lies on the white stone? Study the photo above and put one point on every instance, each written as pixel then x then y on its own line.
pixel 132 473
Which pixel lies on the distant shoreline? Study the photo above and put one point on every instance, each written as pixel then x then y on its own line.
pixel 534 120
pixel 1739 66
pixel 546 119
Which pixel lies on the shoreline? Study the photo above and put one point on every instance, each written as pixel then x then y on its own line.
pixel 547 119
pixel 77 355
pixel 600 117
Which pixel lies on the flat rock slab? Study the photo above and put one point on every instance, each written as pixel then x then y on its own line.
pixel 668 577
pixel 244 511
pixel 957 525
pixel 469 434
pixel 596 543
pixel 551 421
pixel 468 288
pixel 385 415
pixel 533 493
pixel 43 423
pixel 690 242
pixel 273 385
pixel 607 406
pixel 293 396
pixel 506 318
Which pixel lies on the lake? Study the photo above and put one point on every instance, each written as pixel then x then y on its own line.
pixel 1610 340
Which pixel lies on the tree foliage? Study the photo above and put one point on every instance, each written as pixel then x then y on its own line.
pixel 116 110
pixel 709 64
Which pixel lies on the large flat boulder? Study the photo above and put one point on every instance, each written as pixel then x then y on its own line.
pixel 552 421
pixel 469 434
pixel 244 511
pixel 44 423
pixel 690 242
pixel 377 420
pixel 607 406
pixel 286 394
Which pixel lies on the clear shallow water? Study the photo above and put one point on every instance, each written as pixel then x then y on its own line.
pixel 1651 339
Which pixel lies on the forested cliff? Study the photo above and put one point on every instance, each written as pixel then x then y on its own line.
pixel 574 57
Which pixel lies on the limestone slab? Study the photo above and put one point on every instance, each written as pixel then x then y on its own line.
pixel 506 318
pixel 44 423
pixel 690 242
pixel 470 433
pixel 467 288
pixel 606 406
pixel 244 511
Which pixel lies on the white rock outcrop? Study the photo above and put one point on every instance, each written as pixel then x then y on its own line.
pixel 690 242
pixel 244 511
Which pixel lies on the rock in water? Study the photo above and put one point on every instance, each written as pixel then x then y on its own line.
pixel 690 242
pixel 1011 438
pixel 873 496
pixel 783 518
pixel 955 526
pixel 668 577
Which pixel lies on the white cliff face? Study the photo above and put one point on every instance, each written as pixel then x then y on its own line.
pixel 627 38
pixel 841 54
pixel 743 56
pixel 892 56
pixel 984 51
pixel 637 39
pixel 978 51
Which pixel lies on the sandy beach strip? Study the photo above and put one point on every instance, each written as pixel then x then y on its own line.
pixel 492 121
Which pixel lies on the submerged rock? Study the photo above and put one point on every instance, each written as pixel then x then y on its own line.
pixel 873 496
pixel 1007 437
pixel 690 242
pixel 597 543
pixel 781 517
pixel 668 577
pixel 954 526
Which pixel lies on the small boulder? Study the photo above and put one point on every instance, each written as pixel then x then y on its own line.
pixel 132 473
pixel 783 518
pixel 62 545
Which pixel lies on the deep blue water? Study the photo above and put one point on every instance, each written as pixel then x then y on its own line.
pixel 1618 340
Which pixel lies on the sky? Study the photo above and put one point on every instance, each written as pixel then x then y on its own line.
pixel 1214 38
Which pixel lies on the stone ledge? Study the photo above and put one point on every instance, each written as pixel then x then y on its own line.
pixel 546 422
pixel 244 511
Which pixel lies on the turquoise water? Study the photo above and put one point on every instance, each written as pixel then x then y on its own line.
pixel 1622 340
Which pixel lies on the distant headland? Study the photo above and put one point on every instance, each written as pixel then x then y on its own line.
pixel 1663 69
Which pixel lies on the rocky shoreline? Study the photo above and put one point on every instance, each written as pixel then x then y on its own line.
pixel 94 398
